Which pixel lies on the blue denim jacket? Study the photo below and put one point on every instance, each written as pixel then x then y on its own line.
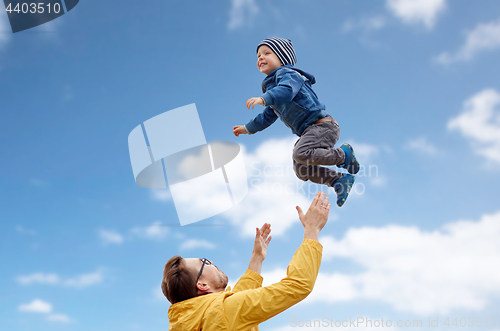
pixel 289 96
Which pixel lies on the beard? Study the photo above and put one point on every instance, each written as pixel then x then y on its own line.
pixel 222 281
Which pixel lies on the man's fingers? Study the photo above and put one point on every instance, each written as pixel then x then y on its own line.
pixel 321 197
pixel 268 240
pixel 325 203
pixel 315 200
pixel 301 214
pixel 263 230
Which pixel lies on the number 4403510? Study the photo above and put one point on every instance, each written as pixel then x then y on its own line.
pixel 471 322
pixel 33 8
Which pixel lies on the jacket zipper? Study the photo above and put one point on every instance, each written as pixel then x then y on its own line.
pixel 281 115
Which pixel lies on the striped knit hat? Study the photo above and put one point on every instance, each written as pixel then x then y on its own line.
pixel 283 48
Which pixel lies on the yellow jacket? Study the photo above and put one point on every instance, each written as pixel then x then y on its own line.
pixel 249 304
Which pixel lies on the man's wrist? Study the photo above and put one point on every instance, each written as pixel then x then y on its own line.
pixel 311 233
pixel 257 257
pixel 255 263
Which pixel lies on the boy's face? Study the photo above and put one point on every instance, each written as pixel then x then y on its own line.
pixel 267 61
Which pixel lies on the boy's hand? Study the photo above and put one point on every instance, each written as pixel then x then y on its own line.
pixel 254 101
pixel 239 129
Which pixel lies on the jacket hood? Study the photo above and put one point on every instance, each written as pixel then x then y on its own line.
pixel 270 77
pixel 188 314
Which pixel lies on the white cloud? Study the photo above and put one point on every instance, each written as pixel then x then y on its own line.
pixel 365 153
pixel 272 277
pixel 196 243
pixel 36 306
pixel 484 37
pixel 84 280
pixel 242 12
pixel 364 23
pixel 42 307
pixel 110 237
pixel 480 121
pixel 422 145
pixel 61 318
pixel 155 231
pixel 53 279
pixel 453 268
pixel 39 278
pixel 417 12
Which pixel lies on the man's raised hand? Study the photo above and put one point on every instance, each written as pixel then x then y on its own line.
pixel 316 217
pixel 262 239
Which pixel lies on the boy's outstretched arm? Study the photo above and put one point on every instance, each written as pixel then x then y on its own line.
pixel 261 121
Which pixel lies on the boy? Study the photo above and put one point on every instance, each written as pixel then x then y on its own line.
pixel 289 96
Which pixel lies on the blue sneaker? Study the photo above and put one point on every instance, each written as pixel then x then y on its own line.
pixel 342 187
pixel 350 163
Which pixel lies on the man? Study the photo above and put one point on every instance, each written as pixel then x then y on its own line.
pixel 197 288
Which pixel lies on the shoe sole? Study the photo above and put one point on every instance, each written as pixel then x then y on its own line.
pixel 351 182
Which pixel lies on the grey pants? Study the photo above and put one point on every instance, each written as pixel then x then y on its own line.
pixel 316 147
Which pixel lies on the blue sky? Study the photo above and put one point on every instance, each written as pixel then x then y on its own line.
pixel 413 84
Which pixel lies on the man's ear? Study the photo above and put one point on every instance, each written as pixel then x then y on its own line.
pixel 202 286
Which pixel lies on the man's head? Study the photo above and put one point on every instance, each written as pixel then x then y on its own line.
pixel 272 53
pixel 186 278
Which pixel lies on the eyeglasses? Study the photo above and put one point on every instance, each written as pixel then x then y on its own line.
pixel 205 262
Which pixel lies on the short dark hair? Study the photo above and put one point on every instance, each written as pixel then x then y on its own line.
pixel 178 282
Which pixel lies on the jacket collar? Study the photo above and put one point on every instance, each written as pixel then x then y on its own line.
pixel 270 78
